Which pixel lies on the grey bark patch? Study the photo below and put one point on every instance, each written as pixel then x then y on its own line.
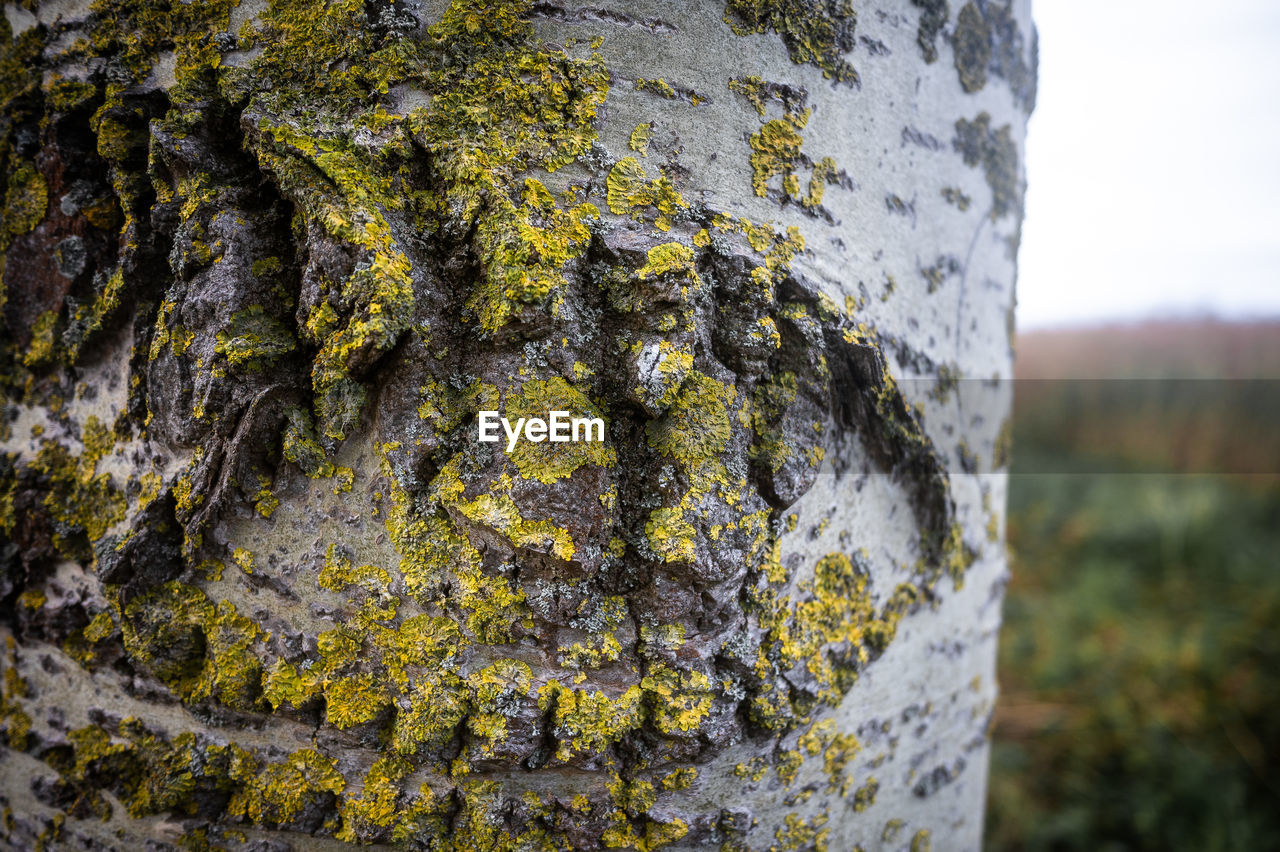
pixel 914 136
pixel 71 257
pixel 599 14
pixel 20 20
pixel 150 556
pixel 875 46
pixel 939 777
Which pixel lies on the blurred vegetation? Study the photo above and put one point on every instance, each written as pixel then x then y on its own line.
pixel 1140 655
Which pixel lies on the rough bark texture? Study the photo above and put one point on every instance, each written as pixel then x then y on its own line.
pixel 264 263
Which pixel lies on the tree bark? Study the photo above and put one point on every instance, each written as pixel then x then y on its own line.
pixel 265 264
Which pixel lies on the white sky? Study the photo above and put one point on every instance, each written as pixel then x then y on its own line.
pixel 1153 162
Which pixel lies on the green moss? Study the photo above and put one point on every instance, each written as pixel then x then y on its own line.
pixel 96 754
pixel 659 87
pixel 524 260
pixel 434 551
pixel 376 301
pixel 837 750
pixel 599 650
pixel 679 779
pixel 283 684
pixel 163 630
pixel 956 555
pixel 96 439
pixel 136 32
pixel 25 201
pixel 865 796
pixel 824 172
pixel 524 125
pixel 346 478
pixel 266 266
pixel 83 503
pixel 660 639
pixel 495 689
pixel 243 559
pixel 99 627
pixel 668 259
pixel 43 347
pixel 338 574
pixel 445 408
pixel 13 688
pixel 8 485
pixel 199 649
pixel 788 766
pixel 265 502
pixel 653 835
pixel 90 318
pixel 500 513
pixel 488 123
pixel 65 95
pixel 176 337
pixel 232 673
pixel 771 400
pixel 118 140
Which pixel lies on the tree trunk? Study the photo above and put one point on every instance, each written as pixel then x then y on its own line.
pixel 265 265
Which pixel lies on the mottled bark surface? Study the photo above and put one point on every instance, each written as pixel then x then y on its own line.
pixel 263 264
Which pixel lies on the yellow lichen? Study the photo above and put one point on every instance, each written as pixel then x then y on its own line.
pixel 670 536
pixel 280 791
pixel 589 722
pixel 549 461
pixel 697 425
pixel 657 86
pixel 639 141
pixel 631 192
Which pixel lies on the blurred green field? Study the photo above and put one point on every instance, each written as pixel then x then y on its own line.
pixel 1140 654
